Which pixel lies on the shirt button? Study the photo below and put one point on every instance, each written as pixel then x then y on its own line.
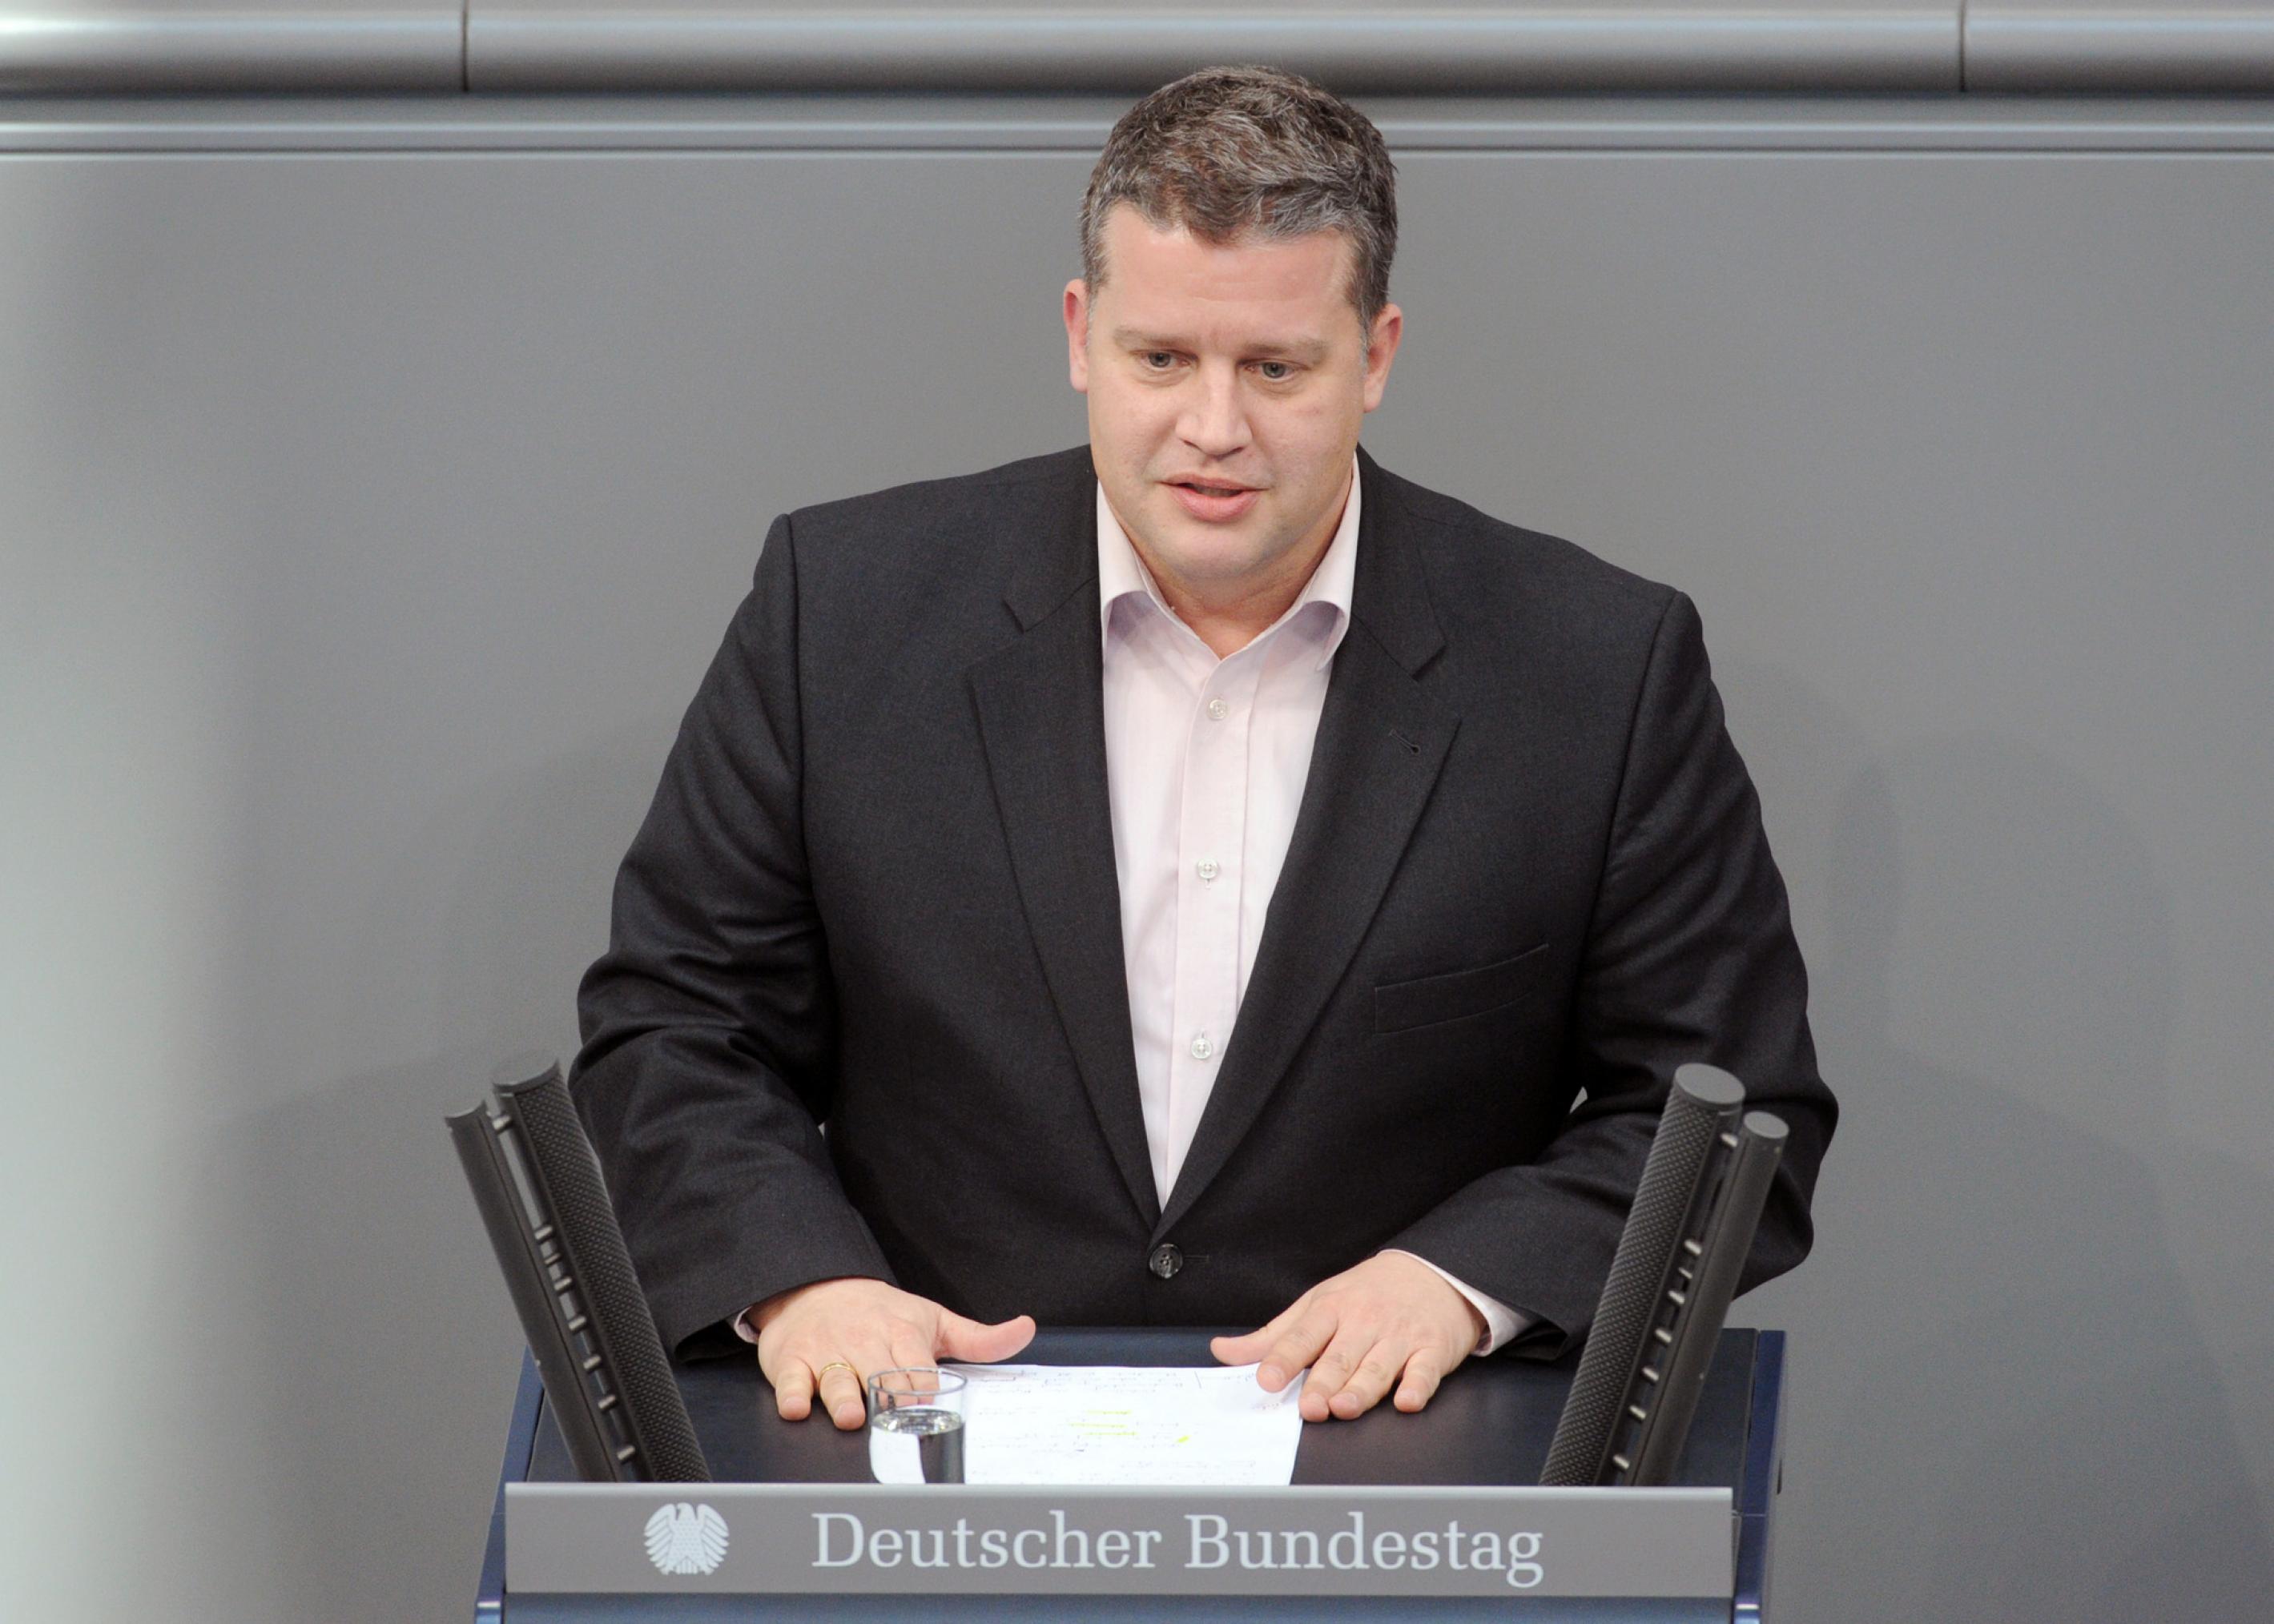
pixel 1205 868
pixel 1218 709
pixel 1202 1048
pixel 1165 1261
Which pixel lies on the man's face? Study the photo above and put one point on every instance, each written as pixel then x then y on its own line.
pixel 1226 386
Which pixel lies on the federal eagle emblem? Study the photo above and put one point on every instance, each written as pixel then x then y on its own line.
pixel 686 1539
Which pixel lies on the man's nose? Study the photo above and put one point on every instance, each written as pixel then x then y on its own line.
pixel 1215 423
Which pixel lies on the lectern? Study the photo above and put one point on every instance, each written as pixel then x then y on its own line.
pixel 1475 1453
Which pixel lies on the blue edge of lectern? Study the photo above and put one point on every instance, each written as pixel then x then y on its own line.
pixel 1756 1490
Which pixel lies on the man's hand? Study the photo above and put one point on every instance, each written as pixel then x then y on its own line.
pixel 1390 1317
pixel 809 1336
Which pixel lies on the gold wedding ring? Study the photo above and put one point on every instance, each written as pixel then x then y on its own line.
pixel 835 1365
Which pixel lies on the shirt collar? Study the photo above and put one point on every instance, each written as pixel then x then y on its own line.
pixel 1121 573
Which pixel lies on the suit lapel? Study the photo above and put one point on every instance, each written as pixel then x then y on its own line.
pixel 1383 739
pixel 1041 722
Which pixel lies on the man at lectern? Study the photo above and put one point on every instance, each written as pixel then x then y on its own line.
pixel 1198 877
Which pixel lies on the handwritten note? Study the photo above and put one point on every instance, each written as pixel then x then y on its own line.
pixel 1050 1424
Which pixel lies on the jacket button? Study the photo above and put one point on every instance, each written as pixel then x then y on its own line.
pixel 1165 1261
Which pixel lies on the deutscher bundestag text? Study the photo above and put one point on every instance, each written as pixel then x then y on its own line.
pixel 842 1539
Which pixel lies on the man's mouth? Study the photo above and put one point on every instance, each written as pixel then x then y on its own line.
pixel 1213 501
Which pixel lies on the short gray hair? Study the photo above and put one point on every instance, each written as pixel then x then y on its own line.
pixel 1228 152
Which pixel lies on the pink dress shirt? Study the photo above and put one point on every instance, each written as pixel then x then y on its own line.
pixel 1205 762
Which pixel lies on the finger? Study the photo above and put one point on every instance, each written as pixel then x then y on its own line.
pixel 983 1344
pixel 910 1350
pixel 793 1391
pixel 1330 1370
pixel 1299 1345
pixel 1250 1347
pixel 872 1350
pixel 1377 1367
pixel 1423 1371
pixel 841 1389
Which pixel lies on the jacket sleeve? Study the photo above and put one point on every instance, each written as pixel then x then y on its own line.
pixel 1689 956
pixel 709 1026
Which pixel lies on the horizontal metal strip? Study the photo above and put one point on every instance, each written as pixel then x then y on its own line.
pixel 909 124
pixel 2173 46
pixel 609 46
pixel 112 52
pixel 545 45
pixel 1486 47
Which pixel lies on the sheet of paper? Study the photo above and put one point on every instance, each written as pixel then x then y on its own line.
pixel 1112 1424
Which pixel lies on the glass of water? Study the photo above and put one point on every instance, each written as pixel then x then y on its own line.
pixel 915 1425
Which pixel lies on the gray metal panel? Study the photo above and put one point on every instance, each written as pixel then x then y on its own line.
pixel 1111 45
pixel 1468 46
pixel 407 46
pixel 2119 45
pixel 883 123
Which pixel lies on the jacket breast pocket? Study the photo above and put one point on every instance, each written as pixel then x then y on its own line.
pixel 1431 1000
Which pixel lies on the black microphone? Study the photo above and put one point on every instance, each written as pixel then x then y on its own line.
pixel 1687 1235
pixel 537 1185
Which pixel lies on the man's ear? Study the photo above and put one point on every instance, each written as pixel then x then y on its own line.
pixel 1077 327
pixel 1389 328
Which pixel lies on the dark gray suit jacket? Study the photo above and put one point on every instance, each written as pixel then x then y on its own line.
pixel 877 891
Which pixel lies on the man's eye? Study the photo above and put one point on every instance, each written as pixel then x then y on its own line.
pixel 1159 360
pixel 1275 372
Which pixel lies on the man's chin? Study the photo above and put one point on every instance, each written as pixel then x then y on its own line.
pixel 1210 558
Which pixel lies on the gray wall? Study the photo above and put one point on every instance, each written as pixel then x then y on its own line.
pixel 376 480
